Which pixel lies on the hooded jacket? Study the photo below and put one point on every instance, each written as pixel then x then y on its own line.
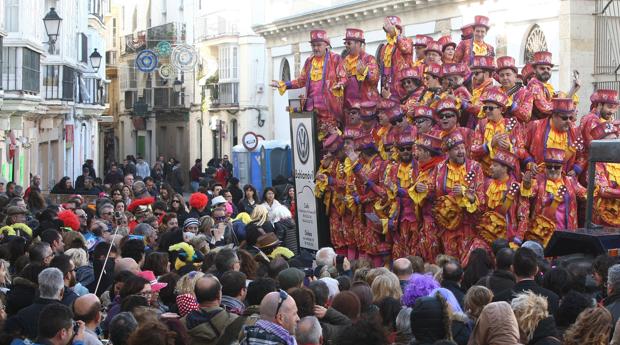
pixel 497 325
pixel 205 326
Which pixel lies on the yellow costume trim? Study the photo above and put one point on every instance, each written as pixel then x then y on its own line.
pixel 549 88
pixel 281 87
pixel 490 130
pixel 613 170
pixel 456 175
pixel 404 175
pixel 495 193
pixel 492 226
pixel 387 52
pixel 557 140
pixel 553 186
pixel 316 73
pixel 480 49
pixel 527 192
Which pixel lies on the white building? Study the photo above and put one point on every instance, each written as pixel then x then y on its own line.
pixel 54 98
pixel 232 76
pixel 518 28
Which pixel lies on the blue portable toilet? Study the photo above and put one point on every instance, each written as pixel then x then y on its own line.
pixel 270 159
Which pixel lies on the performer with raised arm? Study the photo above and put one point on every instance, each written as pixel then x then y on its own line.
pixel 318 76
pixel 393 57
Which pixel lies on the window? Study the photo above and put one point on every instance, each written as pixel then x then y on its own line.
pixel 11 15
pixel 84 40
pixel 228 63
pixel 51 81
pixel 285 71
pixel 68 79
pixel 161 97
pixel 113 32
pixel 133 81
pixel 535 42
pixel 31 70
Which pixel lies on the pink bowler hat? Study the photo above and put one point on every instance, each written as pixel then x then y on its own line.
pixel 150 276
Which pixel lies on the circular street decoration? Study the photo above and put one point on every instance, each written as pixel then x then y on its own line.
pixel 166 71
pixel 303 143
pixel 146 61
pixel 250 141
pixel 184 57
pixel 163 49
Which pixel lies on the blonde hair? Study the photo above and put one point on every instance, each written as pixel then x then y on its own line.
pixel 7 275
pixel 78 256
pixel 69 237
pixel 260 214
pixel 529 309
pixel 592 327
pixel 374 273
pixel 186 283
pixel 476 298
pixel 386 285
pixel 206 223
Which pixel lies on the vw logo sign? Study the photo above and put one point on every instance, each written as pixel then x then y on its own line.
pixel 303 143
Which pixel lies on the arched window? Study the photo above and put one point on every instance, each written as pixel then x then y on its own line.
pixel 285 70
pixel 535 42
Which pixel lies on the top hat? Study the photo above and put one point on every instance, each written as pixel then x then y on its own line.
pixel 421 40
pixel 481 21
pixel 452 140
pixel 483 62
pixel 429 142
pixel 495 95
pixel 319 36
pixel 605 96
pixel 446 41
pixel 506 158
pixel 354 35
pixel 553 155
pixel 563 105
pixel 542 58
pixel 504 62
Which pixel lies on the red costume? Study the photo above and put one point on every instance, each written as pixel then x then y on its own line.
pixel 519 97
pixel 426 242
pixel 540 136
pixel 446 41
pixel 607 182
pixel 409 101
pixel 393 57
pixel 455 214
pixel 593 118
pixel 468 48
pixel 500 218
pixel 553 203
pixel 541 92
pixel 473 111
pixel 318 76
pixel 449 105
pixel 358 85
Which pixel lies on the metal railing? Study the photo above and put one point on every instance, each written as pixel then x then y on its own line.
pixel 224 94
pixel 607 33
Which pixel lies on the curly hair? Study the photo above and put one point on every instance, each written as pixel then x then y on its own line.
pixel 476 298
pixel 592 327
pixel 419 285
pixel 187 282
pixel 529 309
pixel 386 285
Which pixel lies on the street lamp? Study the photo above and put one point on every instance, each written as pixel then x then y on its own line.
pixel 95 60
pixel 52 26
pixel 177 86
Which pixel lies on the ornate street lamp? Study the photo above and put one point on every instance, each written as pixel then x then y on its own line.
pixel 95 60
pixel 177 86
pixel 52 26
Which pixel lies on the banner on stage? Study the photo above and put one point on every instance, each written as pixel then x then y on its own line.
pixel 304 166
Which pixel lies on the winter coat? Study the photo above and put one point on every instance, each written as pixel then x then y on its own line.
pixel 287 233
pixel 498 281
pixel 205 326
pixel 28 317
pixel 85 275
pixel 20 296
pixel 612 303
pixel 529 284
pixel 233 331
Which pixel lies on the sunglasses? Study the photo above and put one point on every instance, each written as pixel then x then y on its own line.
pixel 407 81
pixel 177 201
pixel 158 214
pixel 421 120
pixel 564 118
pixel 220 219
pixel 108 213
pixel 283 297
pixel 478 72
pixel 446 116
pixel 405 149
pixel 553 167
pixel 489 108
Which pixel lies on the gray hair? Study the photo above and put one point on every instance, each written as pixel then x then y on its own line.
pixel 403 321
pixel 143 229
pixel 613 275
pixel 121 327
pixel 51 283
pixel 325 256
pixel 308 330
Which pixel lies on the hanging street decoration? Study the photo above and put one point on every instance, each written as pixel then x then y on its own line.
pixel 163 49
pixel 146 61
pixel 166 71
pixel 184 57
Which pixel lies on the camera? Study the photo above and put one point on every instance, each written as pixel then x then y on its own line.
pixel 118 215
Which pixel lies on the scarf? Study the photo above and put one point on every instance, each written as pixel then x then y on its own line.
pixel 480 49
pixel 316 73
pixel 495 193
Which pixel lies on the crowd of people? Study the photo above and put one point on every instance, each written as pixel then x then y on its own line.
pixel 434 147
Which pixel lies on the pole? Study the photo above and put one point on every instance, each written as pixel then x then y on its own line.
pixel 590 197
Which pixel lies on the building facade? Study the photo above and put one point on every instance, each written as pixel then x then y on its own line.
pixel 54 96
pixel 231 77
pixel 518 28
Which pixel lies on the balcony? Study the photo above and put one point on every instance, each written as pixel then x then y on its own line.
pixel 58 83
pixel 92 91
pixel 21 70
pixel 224 95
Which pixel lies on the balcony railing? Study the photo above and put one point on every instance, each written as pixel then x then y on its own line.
pixel 92 91
pixel 21 69
pixel 224 94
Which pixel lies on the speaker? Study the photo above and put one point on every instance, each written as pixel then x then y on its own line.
pixel 584 241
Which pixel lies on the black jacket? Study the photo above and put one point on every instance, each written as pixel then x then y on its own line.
pixel 456 290
pixel 20 296
pixel 612 303
pixel 28 317
pixel 545 333
pixel 498 281
pixel 524 285
pixel 245 206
